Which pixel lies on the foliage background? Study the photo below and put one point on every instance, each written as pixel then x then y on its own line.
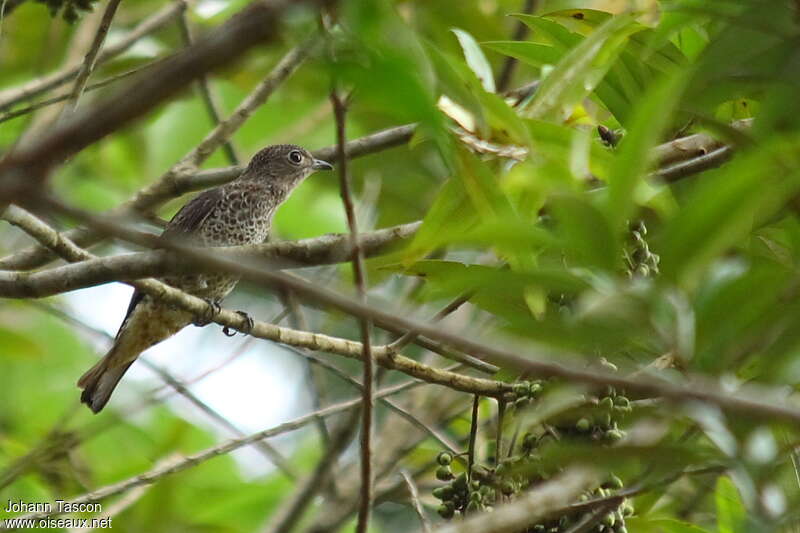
pixel 546 245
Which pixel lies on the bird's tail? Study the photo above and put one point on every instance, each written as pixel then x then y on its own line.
pixel 99 382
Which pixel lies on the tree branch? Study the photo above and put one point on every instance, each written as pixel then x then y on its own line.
pixel 226 447
pixel 325 250
pixel 23 170
pixel 158 20
pixel 266 330
pixel 90 60
pixel 747 401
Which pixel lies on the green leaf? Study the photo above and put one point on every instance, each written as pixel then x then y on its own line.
pixel 723 207
pixel 731 513
pixel 475 59
pixel 643 525
pixel 586 233
pixel 579 72
pixel 634 156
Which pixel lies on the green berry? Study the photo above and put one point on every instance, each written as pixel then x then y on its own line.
pixel 438 493
pixel 583 425
pixel 446 511
pixel 507 488
pixel 521 389
pixel 473 507
pixel 614 435
pixel 444 458
pixel 615 482
pixel 461 481
pixel 622 401
pixel 536 388
pixel 475 497
pixel 627 509
pixel 475 485
pixel 609 520
pixel 443 473
pixel 607 403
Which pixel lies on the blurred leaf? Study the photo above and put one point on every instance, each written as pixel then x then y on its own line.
pixel 586 233
pixel 731 513
pixel 634 157
pixel 475 59
pixel 577 74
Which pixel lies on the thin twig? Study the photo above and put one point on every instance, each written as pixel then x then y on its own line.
pixel 411 336
pixel 56 99
pixel 291 512
pixel 501 411
pixel 158 20
pixel 436 435
pixel 27 167
pixel 226 447
pixel 205 92
pixel 473 436
pixel 520 32
pixel 414 493
pixel 360 274
pixel 90 60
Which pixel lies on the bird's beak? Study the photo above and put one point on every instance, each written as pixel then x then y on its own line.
pixel 319 164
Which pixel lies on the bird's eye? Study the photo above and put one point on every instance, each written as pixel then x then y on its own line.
pixel 295 157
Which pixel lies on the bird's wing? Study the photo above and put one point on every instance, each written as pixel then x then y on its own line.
pixel 192 215
pixel 186 220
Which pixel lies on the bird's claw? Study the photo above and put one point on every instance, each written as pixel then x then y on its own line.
pixel 211 311
pixel 248 326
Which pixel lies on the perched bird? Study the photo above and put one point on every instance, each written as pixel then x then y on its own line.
pixel 239 212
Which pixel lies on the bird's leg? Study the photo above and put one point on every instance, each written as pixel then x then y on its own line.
pixel 211 311
pixel 248 326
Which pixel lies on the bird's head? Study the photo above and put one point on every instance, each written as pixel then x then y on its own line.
pixel 283 165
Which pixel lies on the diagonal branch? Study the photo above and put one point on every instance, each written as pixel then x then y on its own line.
pixel 195 459
pixel 205 92
pixel 751 401
pixel 158 20
pixel 24 170
pixel 90 60
pixel 266 330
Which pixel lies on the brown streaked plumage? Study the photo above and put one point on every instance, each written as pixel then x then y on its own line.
pixel 239 212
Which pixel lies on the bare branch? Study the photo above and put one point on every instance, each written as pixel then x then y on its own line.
pixel 292 511
pixel 750 400
pixel 520 33
pixel 369 144
pixel 360 275
pixel 325 250
pixel 158 20
pixel 23 170
pixel 226 447
pixel 90 60
pixel 56 99
pixel 205 92
pixel 414 493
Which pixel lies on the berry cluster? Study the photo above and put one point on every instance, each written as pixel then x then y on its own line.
pixel 640 260
pixel 505 478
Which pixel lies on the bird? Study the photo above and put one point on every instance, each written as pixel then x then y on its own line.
pixel 239 212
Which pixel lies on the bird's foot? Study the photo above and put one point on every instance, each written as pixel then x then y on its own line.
pixel 208 316
pixel 248 325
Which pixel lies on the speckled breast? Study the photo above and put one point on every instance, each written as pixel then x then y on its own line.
pixel 242 216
